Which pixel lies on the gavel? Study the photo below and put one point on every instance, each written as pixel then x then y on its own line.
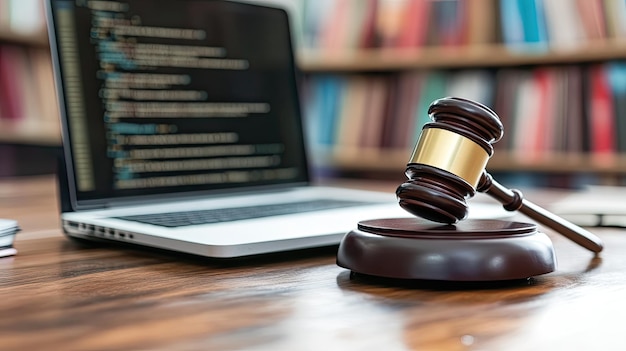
pixel 447 167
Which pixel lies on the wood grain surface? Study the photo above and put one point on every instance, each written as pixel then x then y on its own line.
pixel 58 294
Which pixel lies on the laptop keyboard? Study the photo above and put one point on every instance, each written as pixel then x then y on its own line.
pixel 181 219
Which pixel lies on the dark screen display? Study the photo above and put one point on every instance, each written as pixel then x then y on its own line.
pixel 173 96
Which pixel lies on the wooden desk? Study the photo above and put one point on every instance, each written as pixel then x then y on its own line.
pixel 59 295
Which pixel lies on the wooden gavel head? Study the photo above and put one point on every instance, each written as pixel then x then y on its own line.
pixel 449 159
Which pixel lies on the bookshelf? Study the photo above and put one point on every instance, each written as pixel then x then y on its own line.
pixel 480 56
pixel 343 45
pixel 28 109
pixel 540 64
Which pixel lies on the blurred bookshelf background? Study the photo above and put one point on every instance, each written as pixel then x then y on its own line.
pixel 554 71
pixel 29 124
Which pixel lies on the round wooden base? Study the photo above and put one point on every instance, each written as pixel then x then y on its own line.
pixel 471 250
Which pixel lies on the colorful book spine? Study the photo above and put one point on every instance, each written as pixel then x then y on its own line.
pixel 617 78
pixel 601 116
pixel 12 105
pixel 546 111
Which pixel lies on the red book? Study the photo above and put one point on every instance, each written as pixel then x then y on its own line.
pixel 334 33
pixel 414 24
pixel 11 105
pixel 592 17
pixel 545 116
pixel 601 114
pixel 389 21
pixel 368 36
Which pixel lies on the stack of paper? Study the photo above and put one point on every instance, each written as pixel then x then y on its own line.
pixel 8 229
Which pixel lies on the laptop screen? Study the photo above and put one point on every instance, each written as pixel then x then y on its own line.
pixel 166 97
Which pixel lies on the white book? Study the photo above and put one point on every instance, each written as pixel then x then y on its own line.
pixel 8 229
pixel 564 24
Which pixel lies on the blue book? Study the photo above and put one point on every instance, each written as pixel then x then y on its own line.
pixel 523 25
pixel 534 24
pixel 511 21
pixel 331 92
pixel 617 80
pixel 311 110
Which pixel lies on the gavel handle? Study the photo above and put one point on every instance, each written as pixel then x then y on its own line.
pixel 513 200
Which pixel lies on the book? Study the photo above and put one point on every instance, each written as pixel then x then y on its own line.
pixel 542 116
pixel 331 91
pixel 592 18
pixel 506 81
pixel 357 22
pixel 351 116
pixel 368 36
pixel 617 78
pixel 28 90
pixel 601 117
pixel 532 14
pixel 322 102
pixel 374 117
pixel 414 23
pixel 388 116
pixel 8 230
pixel 482 22
pixel 403 128
pixel 11 83
pixel 448 23
pixel 556 139
pixel 573 114
pixel 314 18
pixel 615 15
pixel 523 25
pixel 333 36
pixel 8 251
pixel 525 118
pixel 563 23
pixel 512 27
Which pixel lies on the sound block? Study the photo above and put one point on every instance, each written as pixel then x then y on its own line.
pixel 471 250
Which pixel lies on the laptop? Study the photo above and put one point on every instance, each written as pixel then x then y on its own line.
pixel 182 131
